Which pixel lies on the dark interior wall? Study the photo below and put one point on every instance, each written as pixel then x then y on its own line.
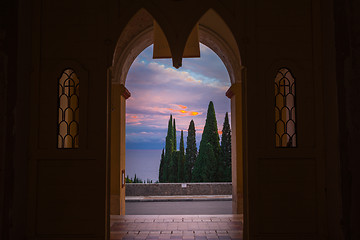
pixel 15 70
pixel 347 37
pixel 15 75
pixel 8 90
pixel 22 120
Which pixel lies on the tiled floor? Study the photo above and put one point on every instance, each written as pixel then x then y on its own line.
pixel 186 227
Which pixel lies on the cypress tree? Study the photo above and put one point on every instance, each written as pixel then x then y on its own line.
pixel 169 148
pixel 191 152
pixel 174 135
pixel 211 167
pixel 197 171
pixel 205 169
pixel 181 159
pixel 226 149
pixel 173 173
pixel 173 165
pixel 161 168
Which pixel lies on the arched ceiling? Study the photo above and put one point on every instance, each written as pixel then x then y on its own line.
pixel 138 35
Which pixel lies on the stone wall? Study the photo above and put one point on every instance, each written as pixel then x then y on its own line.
pixel 169 189
pixel 347 43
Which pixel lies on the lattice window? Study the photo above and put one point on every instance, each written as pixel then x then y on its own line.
pixel 285 121
pixel 68 110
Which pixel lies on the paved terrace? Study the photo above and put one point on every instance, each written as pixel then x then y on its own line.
pixel 186 227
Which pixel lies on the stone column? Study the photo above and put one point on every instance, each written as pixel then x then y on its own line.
pixel 119 94
pixel 235 93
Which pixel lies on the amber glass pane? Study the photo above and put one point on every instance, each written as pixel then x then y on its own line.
pixel 285 123
pixel 68 110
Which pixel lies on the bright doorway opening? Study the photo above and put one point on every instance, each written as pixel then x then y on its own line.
pixel 214 33
pixel 160 92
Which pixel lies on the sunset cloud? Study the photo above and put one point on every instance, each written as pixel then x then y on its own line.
pixel 158 90
pixel 178 108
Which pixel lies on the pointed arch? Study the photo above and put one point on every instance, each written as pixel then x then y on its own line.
pixel 214 33
pixel 136 36
pixel 175 29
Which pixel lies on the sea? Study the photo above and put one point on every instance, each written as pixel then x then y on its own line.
pixel 144 163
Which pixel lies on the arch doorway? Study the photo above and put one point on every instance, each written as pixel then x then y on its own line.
pixel 138 35
pixel 158 91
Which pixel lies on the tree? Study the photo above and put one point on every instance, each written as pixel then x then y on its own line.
pixel 174 136
pixel 204 165
pixel 181 159
pixel 173 172
pixel 205 169
pixel 191 152
pixel 226 150
pixel 173 163
pixel 127 179
pixel 211 167
pixel 137 180
pixel 161 168
pixel 168 170
pixel 169 149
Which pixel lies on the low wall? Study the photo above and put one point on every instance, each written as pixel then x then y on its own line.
pixel 170 189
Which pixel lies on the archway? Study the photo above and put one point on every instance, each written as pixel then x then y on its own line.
pixel 136 36
pixel 160 92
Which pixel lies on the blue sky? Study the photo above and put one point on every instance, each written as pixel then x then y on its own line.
pixel 158 90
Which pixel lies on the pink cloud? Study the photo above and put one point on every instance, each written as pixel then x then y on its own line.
pixel 159 90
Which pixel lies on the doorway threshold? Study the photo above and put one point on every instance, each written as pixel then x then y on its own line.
pixel 186 227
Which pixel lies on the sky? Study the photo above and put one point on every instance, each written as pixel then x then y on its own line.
pixel 158 90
